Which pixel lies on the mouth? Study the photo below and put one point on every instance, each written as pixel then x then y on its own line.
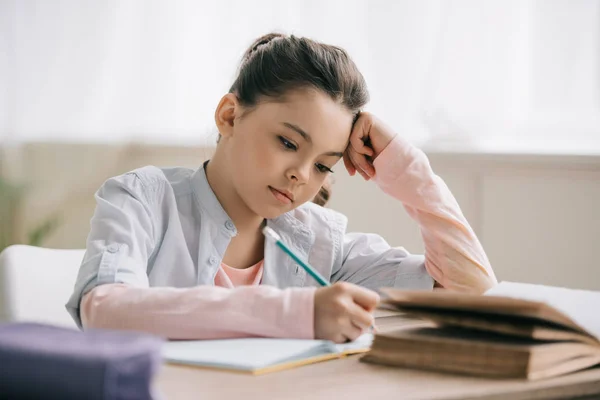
pixel 284 196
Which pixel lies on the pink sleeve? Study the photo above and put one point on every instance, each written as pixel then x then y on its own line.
pixel 202 312
pixel 453 255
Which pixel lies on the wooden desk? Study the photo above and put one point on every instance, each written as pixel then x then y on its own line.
pixel 350 379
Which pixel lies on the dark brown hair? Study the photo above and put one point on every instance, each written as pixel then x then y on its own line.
pixel 275 64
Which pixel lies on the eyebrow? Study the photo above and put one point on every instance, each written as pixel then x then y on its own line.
pixel 307 137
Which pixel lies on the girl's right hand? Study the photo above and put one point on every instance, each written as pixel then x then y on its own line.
pixel 343 311
pixel 369 137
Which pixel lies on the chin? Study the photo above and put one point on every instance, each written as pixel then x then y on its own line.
pixel 270 212
pixel 268 208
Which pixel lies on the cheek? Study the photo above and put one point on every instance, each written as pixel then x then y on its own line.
pixel 254 157
pixel 313 187
pixel 266 158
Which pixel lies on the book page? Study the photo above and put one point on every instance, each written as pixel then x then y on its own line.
pixel 244 354
pixel 385 312
pixel 582 306
pixel 255 353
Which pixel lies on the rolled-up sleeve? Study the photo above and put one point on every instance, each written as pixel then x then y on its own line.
pixel 121 238
pixel 369 261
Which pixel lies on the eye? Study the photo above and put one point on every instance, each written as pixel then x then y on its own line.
pixel 287 144
pixel 323 169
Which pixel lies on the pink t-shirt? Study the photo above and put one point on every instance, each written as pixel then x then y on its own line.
pixel 229 277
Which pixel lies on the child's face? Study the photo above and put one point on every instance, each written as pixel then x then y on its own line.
pixel 275 168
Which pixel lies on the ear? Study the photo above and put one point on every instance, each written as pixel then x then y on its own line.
pixel 225 114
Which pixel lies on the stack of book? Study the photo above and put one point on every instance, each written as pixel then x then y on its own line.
pixel 514 331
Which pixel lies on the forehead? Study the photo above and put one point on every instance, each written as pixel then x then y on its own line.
pixel 326 121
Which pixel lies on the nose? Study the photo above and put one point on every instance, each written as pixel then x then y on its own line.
pixel 300 173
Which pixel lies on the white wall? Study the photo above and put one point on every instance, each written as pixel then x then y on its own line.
pixel 466 71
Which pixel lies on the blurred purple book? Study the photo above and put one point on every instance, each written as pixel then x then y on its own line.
pixel 44 361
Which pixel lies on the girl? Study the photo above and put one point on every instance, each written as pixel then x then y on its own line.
pixel 180 253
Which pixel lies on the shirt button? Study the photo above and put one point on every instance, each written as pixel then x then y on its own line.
pixel 212 260
pixel 113 248
pixel 229 225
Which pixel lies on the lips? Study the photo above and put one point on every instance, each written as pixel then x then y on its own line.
pixel 284 196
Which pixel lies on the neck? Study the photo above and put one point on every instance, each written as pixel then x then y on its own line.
pixel 217 173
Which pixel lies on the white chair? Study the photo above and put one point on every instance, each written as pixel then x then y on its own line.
pixel 35 284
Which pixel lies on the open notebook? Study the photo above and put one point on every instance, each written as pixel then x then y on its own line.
pixel 259 355
pixel 515 330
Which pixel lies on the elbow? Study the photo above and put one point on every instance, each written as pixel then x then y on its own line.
pixel 465 283
pixel 96 308
pixel 461 274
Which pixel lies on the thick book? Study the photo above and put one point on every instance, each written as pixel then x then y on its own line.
pixel 514 331
pixel 259 355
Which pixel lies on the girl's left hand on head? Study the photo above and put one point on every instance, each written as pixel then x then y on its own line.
pixel 368 139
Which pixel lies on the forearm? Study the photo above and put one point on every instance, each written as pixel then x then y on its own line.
pixel 203 312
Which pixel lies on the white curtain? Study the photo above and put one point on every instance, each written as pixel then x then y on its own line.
pixel 442 72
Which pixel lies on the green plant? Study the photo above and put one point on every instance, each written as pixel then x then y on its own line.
pixel 11 197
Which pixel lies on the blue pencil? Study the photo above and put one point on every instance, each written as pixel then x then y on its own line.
pixel 270 233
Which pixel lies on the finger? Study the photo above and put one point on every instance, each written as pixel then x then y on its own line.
pixel 365 298
pixel 363 174
pixel 361 163
pixel 348 164
pixel 352 332
pixel 360 147
pixel 357 143
pixel 353 157
pixel 360 134
pixel 349 159
pixel 360 317
pixel 362 330
pixel 341 338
